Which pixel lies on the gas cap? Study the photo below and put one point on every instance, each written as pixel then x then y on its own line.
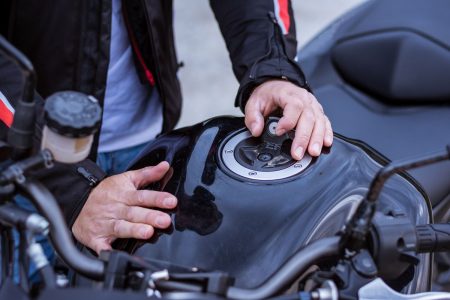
pixel 264 158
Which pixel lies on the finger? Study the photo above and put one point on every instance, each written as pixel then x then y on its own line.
pixel 302 134
pixel 124 229
pixel 147 198
pixel 100 245
pixel 254 120
pixel 291 115
pixel 328 133
pixel 317 136
pixel 147 216
pixel 145 176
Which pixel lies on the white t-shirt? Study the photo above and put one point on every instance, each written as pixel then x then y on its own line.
pixel 132 115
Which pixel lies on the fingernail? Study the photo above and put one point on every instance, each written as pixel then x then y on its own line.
pixel 169 202
pixel 162 221
pixel 253 127
pixel 143 233
pixel 329 140
pixel 315 149
pixel 299 152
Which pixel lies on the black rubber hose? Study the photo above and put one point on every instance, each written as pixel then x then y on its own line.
pixel 291 270
pixel 59 233
pixel 7 251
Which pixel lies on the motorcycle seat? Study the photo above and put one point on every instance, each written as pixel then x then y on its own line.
pixel 402 60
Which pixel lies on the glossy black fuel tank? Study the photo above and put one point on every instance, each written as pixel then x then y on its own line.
pixel 248 227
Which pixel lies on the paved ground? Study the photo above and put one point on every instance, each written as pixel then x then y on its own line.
pixel 208 84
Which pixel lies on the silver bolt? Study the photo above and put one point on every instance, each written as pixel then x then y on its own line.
pixel 273 128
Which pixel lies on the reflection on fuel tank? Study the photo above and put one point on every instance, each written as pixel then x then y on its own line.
pixel 198 213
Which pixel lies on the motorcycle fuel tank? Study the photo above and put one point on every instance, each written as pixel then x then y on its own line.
pixel 245 206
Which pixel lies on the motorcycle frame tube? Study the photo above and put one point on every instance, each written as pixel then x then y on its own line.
pixel 26 67
pixel 394 168
pixel 291 269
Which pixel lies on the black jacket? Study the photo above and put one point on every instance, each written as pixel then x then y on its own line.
pixel 68 43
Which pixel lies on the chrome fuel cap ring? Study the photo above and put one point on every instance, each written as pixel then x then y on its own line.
pixel 228 154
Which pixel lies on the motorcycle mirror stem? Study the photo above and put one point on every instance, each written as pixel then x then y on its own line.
pixel 20 135
pixel 357 229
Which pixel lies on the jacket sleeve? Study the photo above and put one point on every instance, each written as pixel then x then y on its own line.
pixel 260 37
pixel 71 185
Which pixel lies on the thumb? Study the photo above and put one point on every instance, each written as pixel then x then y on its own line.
pixel 100 245
pixel 145 176
pixel 254 119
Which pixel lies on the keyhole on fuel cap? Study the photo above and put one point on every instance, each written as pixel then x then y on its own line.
pixel 265 157
pixel 266 153
pixel 272 127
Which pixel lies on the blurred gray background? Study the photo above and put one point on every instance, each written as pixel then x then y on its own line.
pixel 207 81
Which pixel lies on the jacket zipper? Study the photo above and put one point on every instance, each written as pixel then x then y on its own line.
pixel 269 42
pixel 278 37
pixel 82 16
pixel 137 51
pixel 293 62
pixel 255 64
pixel 152 45
pixel 93 181
pixel 276 33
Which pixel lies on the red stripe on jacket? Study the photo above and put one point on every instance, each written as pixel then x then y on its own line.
pixel 284 14
pixel 6 115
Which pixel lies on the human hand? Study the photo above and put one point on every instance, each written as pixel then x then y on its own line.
pixel 116 208
pixel 301 111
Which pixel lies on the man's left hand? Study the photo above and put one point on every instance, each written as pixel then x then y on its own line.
pixel 301 111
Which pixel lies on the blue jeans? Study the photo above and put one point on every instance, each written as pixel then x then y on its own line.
pixel 116 162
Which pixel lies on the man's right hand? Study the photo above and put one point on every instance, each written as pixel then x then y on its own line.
pixel 116 208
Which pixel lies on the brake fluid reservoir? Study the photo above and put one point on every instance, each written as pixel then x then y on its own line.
pixel 71 119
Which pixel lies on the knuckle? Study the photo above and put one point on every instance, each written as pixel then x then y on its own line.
pixel 328 122
pixel 320 120
pixel 128 213
pixel 117 227
pixel 300 105
pixel 150 217
pixel 295 103
pixel 304 94
pixel 283 93
pixel 127 197
pixel 320 108
pixel 140 199
pixel 129 175
pixel 308 115
pixel 289 123
pixel 303 138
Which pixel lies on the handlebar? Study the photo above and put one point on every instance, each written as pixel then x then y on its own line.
pixel 59 233
pixel 433 238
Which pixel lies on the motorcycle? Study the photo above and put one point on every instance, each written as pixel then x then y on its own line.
pixel 251 223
